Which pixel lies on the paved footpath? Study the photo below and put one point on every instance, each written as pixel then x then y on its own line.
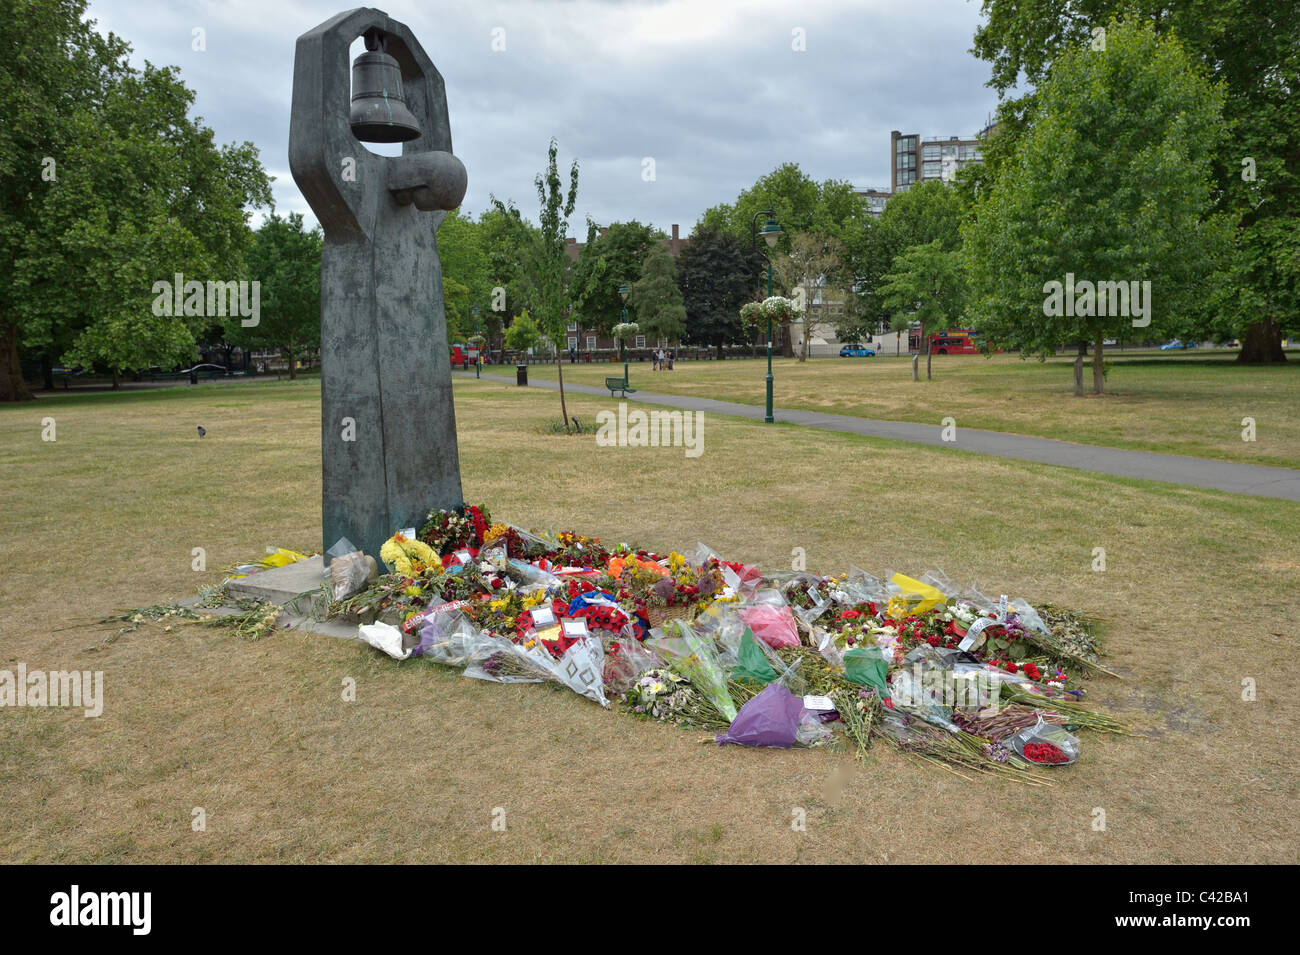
pixel 1229 476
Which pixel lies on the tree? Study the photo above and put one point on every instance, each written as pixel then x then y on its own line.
pixel 503 237
pixel 606 262
pixel 716 275
pixel 926 212
pixel 816 261
pixel 926 285
pixel 543 261
pixel 832 208
pixel 285 258
pixel 523 333
pixel 466 274
pixel 107 186
pixel 1110 187
pixel 656 298
pixel 1251 47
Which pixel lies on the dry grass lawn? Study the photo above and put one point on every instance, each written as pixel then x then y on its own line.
pixel 1200 593
pixel 1188 403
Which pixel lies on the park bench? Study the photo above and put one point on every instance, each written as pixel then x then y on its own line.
pixel 620 385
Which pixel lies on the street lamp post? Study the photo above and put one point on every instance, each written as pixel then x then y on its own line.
pixel 771 232
pixel 622 339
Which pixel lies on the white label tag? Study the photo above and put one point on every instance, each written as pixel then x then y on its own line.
pixel 576 627
pixel 463 557
pixel 818 703
pixel 976 628
pixel 543 617
pixel 408 533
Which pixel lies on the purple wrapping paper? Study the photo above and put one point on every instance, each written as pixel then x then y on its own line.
pixel 769 719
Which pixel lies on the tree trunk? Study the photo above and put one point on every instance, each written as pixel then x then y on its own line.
pixel 47 372
pixel 564 411
pixel 1078 369
pixel 117 383
pixel 1098 370
pixel 293 364
pixel 1262 343
pixel 12 386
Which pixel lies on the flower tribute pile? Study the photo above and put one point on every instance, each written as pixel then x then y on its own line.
pixel 772 659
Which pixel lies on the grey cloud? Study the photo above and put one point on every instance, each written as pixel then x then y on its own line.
pixel 711 90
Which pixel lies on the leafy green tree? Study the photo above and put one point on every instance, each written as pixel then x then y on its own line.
pixel 1251 47
pixel 831 208
pixel 926 212
pixel 606 262
pixel 107 186
pixel 926 285
pixel 1111 184
pixel 503 237
pixel 467 279
pixel 656 297
pixel 523 333
pixel 543 263
pixel 285 259
pixel 715 272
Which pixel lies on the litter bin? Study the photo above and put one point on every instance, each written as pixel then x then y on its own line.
pixel 521 375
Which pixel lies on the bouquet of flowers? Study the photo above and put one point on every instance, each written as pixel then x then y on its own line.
pixel 447 531
pixel 661 694
pixel 695 658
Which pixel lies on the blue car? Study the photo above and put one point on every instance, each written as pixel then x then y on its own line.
pixel 857 351
pixel 1175 345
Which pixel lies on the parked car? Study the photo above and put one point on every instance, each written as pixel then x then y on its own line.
pixel 207 371
pixel 1176 344
pixel 857 351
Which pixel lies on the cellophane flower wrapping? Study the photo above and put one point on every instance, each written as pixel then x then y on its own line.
pixel 752 665
pixel 695 658
pixel 447 636
pixel 1044 732
pixel 582 669
pixel 500 661
pixel 348 574
pixel 773 625
pixel 625 661
pixel 769 719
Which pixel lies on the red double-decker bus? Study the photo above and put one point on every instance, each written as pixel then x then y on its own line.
pixel 960 341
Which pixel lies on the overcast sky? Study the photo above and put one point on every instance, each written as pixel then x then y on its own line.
pixel 712 90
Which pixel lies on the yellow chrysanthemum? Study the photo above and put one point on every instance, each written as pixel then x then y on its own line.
pixel 493 532
pixel 402 555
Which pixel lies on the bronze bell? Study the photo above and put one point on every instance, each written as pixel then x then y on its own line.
pixel 379 113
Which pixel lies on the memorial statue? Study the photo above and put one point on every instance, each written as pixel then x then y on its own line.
pixel 388 426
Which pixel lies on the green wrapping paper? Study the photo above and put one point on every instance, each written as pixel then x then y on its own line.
pixel 752 666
